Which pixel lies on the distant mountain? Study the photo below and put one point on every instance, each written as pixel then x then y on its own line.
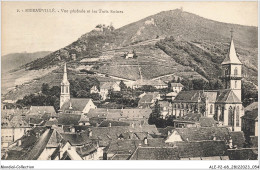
pixel 16 60
pixel 167 43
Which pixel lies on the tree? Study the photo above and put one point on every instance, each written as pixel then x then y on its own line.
pixel 122 86
pixel 82 94
pixel 157 110
pixel 147 88
pixel 178 80
pixel 218 85
pixel 45 88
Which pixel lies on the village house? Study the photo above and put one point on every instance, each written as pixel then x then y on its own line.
pixel 194 120
pixel 233 139
pixel 106 87
pixel 171 96
pixel 176 87
pixel 148 99
pixel 158 84
pixel 13 128
pixel 94 89
pixel 250 123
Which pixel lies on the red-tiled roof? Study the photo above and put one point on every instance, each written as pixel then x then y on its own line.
pixel 243 154
pixel 86 150
pixel 18 121
pixel 69 119
pixel 252 106
pixel 203 133
pixel 176 85
pixel 252 115
pixel 201 149
pixel 76 138
pixel 42 109
pixel 106 123
pixel 108 85
pixel 188 96
pixel 207 122
pixel 155 153
pixel 238 138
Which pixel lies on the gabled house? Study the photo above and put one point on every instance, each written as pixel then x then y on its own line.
pixel 158 84
pixel 250 123
pixel 106 87
pixel 147 100
pixel 198 134
pixel 176 87
pixel 13 129
pixel 202 150
pixel 41 110
pixel 94 89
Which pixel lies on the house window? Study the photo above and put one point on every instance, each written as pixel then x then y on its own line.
pixel 211 109
pixel 237 116
pixel 226 71
pixel 235 71
pixel 230 116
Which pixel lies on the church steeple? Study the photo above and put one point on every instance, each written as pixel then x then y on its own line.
pixel 232 70
pixel 65 87
pixel 231 58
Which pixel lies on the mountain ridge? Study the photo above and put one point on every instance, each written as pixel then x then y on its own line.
pixel 187 45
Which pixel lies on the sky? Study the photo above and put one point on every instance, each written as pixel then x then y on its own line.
pixel 38 31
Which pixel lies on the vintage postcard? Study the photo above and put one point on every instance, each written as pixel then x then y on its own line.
pixel 130 81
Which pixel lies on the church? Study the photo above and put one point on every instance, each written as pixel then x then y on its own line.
pixel 224 105
pixel 73 105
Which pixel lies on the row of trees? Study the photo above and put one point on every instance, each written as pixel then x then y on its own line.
pixel 47 97
pixel 79 88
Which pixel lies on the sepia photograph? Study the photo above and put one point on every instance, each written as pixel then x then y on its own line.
pixel 130 81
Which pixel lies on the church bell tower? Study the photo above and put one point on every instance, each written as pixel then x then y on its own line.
pixel 65 88
pixel 232 70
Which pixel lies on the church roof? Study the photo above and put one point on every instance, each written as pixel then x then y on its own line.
pixel 228 96
pixel 188 96
pixel 77 104
pixel 231 58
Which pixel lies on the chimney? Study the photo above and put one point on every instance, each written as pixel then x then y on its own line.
pixel 72 130
pixel 133 125
pixel 109 125
pixel 214 138
pixel 19 143
pixel 145 141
